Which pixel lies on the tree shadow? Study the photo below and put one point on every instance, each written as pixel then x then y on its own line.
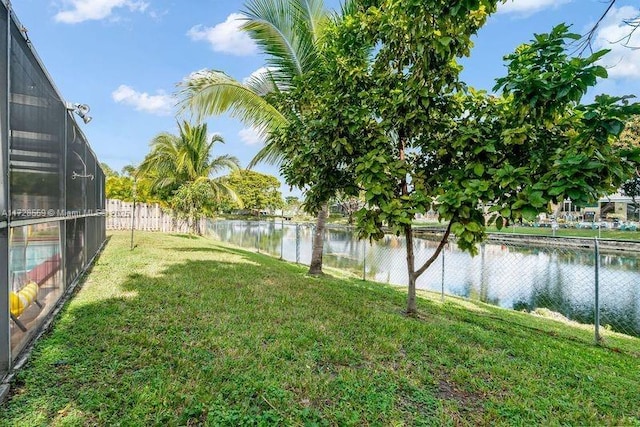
pixel 185 236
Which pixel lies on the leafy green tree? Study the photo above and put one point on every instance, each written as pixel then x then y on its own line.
pixel 255 191
pixel 108 171
pixel 630 137
pixel 293 205
pixel 121 188
pixel 289 34
pixel 411 135
pixel 187 157
pixel 631 188
pixel 193 201
pixel 185 160
pixel 631 133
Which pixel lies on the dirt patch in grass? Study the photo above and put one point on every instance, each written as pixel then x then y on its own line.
pixel 471 402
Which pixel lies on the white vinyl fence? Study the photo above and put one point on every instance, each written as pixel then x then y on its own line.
pixel 147 217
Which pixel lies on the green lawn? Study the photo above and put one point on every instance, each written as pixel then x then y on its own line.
pixel 185 331
pixel 571 232
pixel 561 232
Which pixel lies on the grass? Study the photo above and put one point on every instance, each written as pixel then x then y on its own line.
pixel 189 332
pixel 570 232
pixel 605 233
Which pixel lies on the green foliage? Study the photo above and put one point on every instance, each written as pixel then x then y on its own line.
pixel 129 170
pixel 436 141
pixel 107 170
pixel 631 134
pixel 178 160
pixel 387 114
pixel 120 187
pixel 291 34
pixel 292 205
pixel 181 166
pixel 255 191
pixel 631 188
pixel 193 201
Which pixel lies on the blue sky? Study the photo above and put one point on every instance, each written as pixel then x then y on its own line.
pixel 125 57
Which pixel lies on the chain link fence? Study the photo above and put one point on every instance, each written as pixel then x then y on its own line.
pixel 589 281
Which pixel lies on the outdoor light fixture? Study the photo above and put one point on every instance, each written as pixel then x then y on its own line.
pixel 81 110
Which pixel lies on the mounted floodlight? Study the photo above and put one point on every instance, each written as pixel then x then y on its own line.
pixel 81 110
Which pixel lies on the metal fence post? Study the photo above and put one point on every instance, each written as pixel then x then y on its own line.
pixel 442 282
pixel 598 338
pixel 297 243
pixel 282 240
pixel 364 260
pixel 258 238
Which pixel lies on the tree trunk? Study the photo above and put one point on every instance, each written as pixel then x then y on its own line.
pixel 411 268
pixel 318 241
pixel 412 310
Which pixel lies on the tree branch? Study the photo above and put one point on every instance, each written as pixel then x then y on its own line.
pixel 436 254
pixel 587 40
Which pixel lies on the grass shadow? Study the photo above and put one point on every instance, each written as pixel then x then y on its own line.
pixel 185 236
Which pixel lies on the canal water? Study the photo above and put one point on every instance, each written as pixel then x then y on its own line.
pixel 561 279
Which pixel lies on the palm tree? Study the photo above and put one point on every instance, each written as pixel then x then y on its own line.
pixel 184 162
pixel 288 32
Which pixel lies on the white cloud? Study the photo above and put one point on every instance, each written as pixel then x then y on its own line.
pixel 225 37
pixel 257 73
pixel 251 136
pixel 76 11
pixel 160 104
pixel 528 7
pixel 613 33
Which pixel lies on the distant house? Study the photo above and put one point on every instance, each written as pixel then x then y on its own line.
pixel 614 206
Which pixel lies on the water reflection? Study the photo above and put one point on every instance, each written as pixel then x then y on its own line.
pixel 520 278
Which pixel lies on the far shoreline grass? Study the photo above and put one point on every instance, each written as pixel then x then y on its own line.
pixel 190 331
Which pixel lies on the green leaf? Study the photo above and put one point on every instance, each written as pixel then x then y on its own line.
pixel 597 55
pixel 478 169
pixel 474 227
pixel 613 127
pixel 600 72
pixel 457 228
pixel 529 213
pixel 444 40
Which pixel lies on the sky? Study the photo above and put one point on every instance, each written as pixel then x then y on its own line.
pixel 124 59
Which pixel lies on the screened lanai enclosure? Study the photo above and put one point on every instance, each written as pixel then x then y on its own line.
pixel 52 220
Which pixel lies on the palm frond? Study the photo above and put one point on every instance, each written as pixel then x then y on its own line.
pixel 349 7
pixel 280 29
pixel 221 189
pixel 223 162
pixel 263 83
pixel 214 92
pixel 269 154
pixel 314 13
